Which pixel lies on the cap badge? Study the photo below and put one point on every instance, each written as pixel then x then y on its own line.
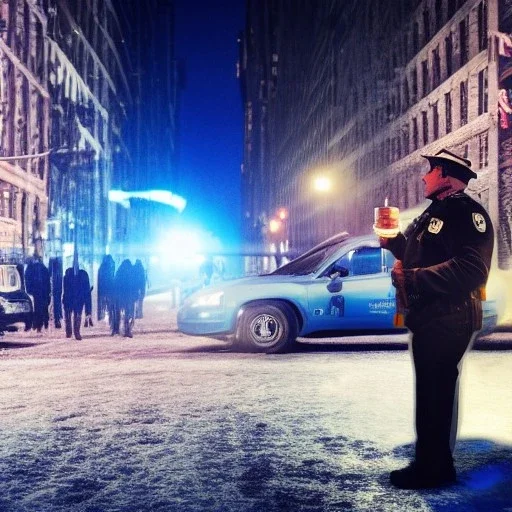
pixel 479 222
pixel 435 225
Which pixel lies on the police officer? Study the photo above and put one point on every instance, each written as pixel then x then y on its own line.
pixel 443 262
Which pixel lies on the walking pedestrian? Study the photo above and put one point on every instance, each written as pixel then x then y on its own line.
pixel 37 282
pixel 443 261
pixel 106 274
pixel 55 269
pixel 140 283
pixel 76 297
pixel 125 297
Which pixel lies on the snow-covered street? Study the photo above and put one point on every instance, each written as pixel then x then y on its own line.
pixel 166 422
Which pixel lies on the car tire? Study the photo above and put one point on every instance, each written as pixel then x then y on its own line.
pixel 270 327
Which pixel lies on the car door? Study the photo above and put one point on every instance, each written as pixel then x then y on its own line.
pixel 367 297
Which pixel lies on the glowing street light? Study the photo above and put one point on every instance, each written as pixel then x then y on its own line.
pixel 274 225
pixel 322 184
pixel 282 213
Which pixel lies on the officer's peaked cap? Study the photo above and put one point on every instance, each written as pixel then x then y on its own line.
pixel 452 164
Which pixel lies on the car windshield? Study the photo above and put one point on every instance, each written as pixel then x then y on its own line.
pixel 310 261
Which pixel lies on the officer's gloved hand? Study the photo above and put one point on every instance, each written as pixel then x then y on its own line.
pixel 398 281
pixel 88 321
pixel 397 275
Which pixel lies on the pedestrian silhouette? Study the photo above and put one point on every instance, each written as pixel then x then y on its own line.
pixel 139 275
pixel 76 297
pixel 125 295
pixel 106 275
pixel 37 282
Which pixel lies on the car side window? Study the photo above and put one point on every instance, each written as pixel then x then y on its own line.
pixel 365 261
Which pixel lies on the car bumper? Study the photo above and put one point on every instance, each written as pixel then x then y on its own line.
pixel 15 318
pixel 201 321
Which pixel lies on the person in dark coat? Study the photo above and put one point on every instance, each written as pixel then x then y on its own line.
pixel 106 274
pixel 76 296
pixel 140 283
pixel 21 271
pixel 126 294
pixel 55 268
pixel 37 283
pixel 443 262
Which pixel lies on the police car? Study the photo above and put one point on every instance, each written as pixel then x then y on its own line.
pixel 343 284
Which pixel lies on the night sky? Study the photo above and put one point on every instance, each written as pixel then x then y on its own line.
pixel 211 114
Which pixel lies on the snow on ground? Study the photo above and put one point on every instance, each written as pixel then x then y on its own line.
pixel 166 422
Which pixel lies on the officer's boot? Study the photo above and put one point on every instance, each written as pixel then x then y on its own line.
pixel 77 319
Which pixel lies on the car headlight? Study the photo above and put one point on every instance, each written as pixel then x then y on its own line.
pixel 212 299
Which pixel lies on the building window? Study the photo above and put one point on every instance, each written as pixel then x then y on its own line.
pixel 452 8
pixel 7 200
pixel 464 42
pixel 482 92
pixel 448 43
pixel 436 71
pixel 438 15
pixel 405 102
pixel 448 111
pixel 424 123
pixel 424 77
pixel 463 103
pixel 426 25
pixel 414 79
pixel 483 145
pixel 405 139
pixel 415 137
pixel 435 120
pixel 415 38
pixel 482 25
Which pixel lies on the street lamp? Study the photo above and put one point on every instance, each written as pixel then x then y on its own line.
pixel 322 183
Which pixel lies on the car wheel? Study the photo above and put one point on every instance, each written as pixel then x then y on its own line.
pixel 270 327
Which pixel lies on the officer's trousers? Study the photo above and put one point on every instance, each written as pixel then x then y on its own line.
pixel 438 348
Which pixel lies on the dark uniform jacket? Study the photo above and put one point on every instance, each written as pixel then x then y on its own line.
pixel 446 255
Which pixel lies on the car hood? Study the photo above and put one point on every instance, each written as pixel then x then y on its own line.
pixel 265 279
pixel 251 282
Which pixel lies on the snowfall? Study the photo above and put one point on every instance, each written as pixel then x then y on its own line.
pixel 167 422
